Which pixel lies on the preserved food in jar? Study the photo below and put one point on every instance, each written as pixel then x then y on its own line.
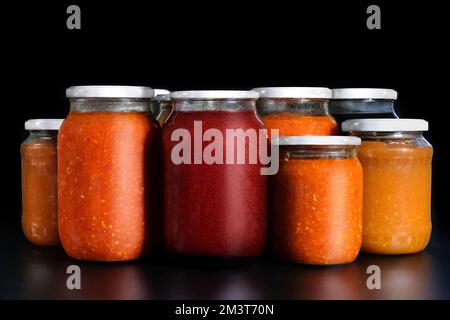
pixel 316 200
pixel 107 160
pixel 39 182
pixel 215 210
pixel 296 111
pixel 397 184
pixel 357 103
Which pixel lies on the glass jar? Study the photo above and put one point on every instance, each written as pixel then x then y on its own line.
pixel 213 209
pixel 39 182
pixel 358 103
pixel 164 108
pixel 316 200
pixel 296 111
pixel 397 184
pixel 108 148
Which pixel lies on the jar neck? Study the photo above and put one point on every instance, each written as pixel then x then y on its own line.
pixel 394 135
pixel 315 107
pixel 109 105
pixel 214 105
pixel 43 134
pixel 362 106
pixel 317 152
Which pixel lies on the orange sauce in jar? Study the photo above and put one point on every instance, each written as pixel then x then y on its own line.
pixel 107 185
pixel 316 210
pixel 39 191
pixel 397 194
pixel 295 124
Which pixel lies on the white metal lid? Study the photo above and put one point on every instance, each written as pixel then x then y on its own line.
pixel 159 92
pixel 161 95
pixel 214 94
pixel 43 124
pixel 109 92
pixel 317 141
pixel 384 125
pixel 364 93
pixel 294 92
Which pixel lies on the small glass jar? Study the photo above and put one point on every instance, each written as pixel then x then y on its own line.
pixel 164 108
pixel 296 111
pixel 108 180
pixel 397 184
pixel 358 103
pixel 316 200
pixel 216 209
pixel 39 182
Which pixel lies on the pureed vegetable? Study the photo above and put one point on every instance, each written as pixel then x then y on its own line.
pixel 296 111
pixel 107 153
pixel 39 182
pixel 316 200
pixel 213 210
pixel 397 184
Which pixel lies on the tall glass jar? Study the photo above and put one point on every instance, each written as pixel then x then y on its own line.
pixel 214 204
pixel 39 182
pixel 316 200
pixel 296 111
pixel 397 184
pixel 358 103
pixel 108 149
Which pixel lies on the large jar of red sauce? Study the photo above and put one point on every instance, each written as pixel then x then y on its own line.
pixel 357 103
pixel 316 200
pixel 397 184
pixel 296 111
pixel 214 209
pixel 107 158
pixel 39 182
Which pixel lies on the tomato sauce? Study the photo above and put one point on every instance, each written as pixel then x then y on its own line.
pixel 214 210
pixel 107 185
pixel 294 124
pixel 39 191
pixel 316 210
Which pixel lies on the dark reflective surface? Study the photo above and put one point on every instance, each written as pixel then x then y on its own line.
pixel 32 272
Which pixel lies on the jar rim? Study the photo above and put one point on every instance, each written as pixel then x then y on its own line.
pixel 96 91
pixel 43 124
pixel 385 125
pixel 364 93
pixel 214 95
pixel 316 141
pixel 294 92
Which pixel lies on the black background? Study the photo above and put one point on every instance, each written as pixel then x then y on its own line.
pixel 222 44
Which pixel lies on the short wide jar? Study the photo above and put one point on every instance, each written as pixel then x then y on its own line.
pixel 39 182
pixel 397 184
pixel 316 200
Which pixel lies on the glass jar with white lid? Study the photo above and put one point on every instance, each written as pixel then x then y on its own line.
pixel 357 103
pixel 397 162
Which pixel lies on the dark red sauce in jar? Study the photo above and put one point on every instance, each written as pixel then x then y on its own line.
pixel 213 210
